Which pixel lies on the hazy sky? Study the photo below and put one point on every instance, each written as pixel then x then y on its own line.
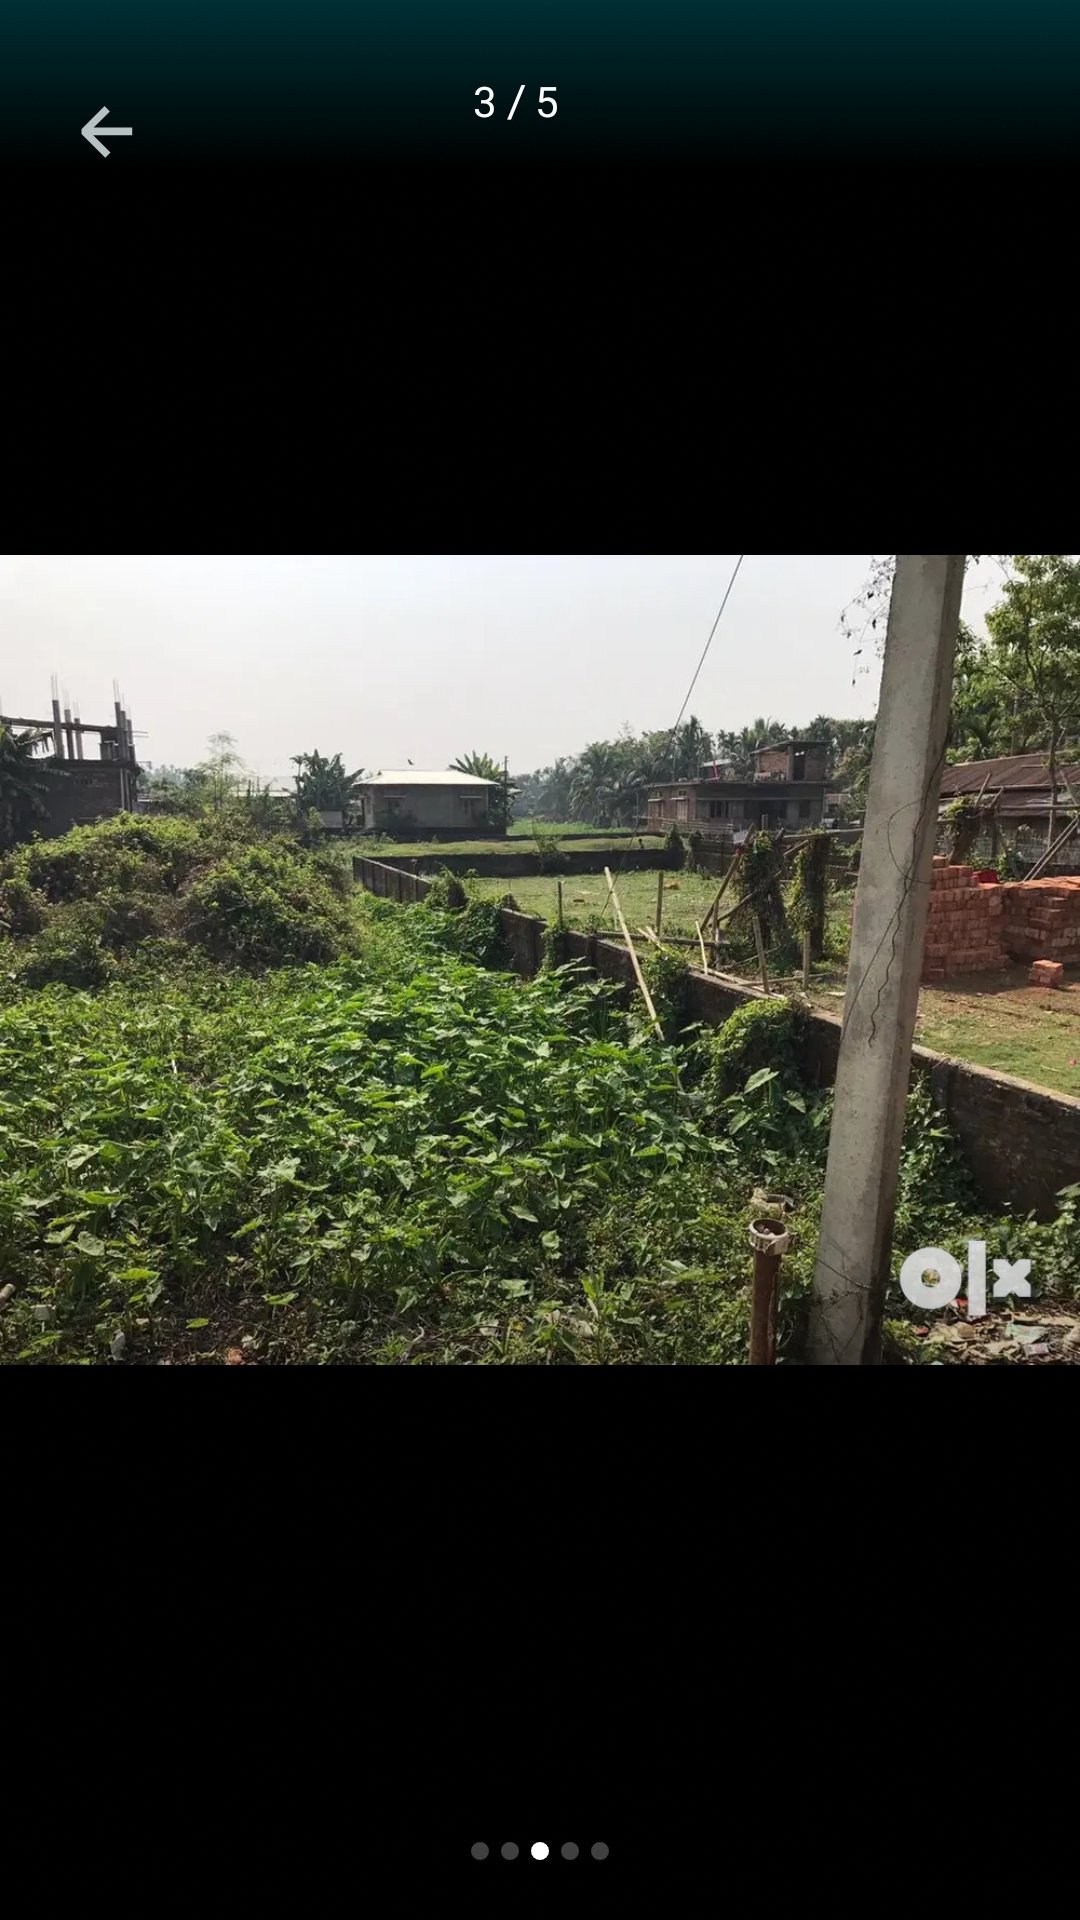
pixel 397 658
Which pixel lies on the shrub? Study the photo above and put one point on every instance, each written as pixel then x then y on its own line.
pixel 808 901
pixel 67 953
pixel 764 1033
pixel 548 850
pixel 446 893
pixel 759 884
pixel 675 844
pixel 263 908
pixel 667 977
pixel 23 908
pixel 126 853
pixel 126 919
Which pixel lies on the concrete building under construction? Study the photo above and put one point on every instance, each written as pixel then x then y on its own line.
pixel 77 788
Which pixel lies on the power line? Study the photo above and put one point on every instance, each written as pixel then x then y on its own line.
pixel 708 644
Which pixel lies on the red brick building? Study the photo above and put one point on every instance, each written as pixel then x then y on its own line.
pixel 787 789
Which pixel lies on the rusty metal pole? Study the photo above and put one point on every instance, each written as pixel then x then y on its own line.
pixel 770 1240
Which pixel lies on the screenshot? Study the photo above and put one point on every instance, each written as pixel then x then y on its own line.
pixel 364 1004
pixel 454 920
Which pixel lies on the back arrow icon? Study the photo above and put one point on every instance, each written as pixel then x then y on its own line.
pixel 88 132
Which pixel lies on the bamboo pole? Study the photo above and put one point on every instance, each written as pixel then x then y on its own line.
pixel 723 884
pixel 806 961
pixel 701 944
pixel 645 994
pixel 659 899
pixel 558 884
pixel 760 944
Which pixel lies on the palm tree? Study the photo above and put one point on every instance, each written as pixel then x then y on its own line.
pixel 23 784
pixel 482 767
pixel 595 783
pixel 760 733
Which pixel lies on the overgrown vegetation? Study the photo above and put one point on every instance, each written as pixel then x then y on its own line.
pixel 759 889
pixel 78 907
pixel 808 901
pixel 247 1114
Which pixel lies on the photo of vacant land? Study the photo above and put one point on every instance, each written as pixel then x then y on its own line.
pixel 308 1059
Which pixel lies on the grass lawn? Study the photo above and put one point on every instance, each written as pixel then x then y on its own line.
pixel 1008 1026
pixel 687 897
pixel 519 828
pixel 383 849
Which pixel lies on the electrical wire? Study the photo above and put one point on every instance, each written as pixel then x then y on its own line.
pixel 708 644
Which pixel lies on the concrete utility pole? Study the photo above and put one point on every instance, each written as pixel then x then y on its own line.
pixel 854 1251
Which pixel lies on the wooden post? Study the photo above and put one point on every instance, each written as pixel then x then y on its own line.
pixel 806 961
pixel 659 900
pixel 701 944
pixel 558 884
pixel 760 944
pixel 645 994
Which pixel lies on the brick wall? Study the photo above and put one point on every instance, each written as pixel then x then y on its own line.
pixel 979 928
pixel 964 925
pixel 1042 920
pixel 773 760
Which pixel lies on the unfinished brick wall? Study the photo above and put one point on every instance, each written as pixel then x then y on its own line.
pixel 1041 920
pixel 964 926
pixel 976 928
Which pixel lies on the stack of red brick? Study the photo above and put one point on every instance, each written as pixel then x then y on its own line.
pixel 1042 920
pixel 964 927
pixel 975 927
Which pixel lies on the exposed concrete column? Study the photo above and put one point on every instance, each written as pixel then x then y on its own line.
pixel 891 903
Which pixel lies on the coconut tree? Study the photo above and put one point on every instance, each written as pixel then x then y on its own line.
pixel 595 783
pixel 482 767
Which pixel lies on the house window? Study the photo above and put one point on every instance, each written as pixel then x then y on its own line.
pixel 474 807
pixel 719 809
pixel 680 807
pixel 798 771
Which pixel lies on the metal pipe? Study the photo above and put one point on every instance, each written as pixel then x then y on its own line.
pixel 770 1240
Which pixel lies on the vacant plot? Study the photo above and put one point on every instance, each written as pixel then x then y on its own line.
pixel 687 898
pixel 378 847
pixel 1008 1026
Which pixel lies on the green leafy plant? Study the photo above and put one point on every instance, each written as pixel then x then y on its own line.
pixel 808 901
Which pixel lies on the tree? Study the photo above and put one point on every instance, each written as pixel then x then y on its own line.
pixel 761 732
pixel 1035 649
pixel 594 783
pixel 323 783
pixel 175 790
pixel 222 770
pixel 23 784
pixel 483 767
